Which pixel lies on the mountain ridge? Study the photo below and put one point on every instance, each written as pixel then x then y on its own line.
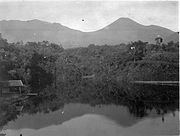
pixel 55 23
pixel 123 30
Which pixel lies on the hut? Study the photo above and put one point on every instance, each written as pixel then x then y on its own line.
pixel 11 86
pixel 159 40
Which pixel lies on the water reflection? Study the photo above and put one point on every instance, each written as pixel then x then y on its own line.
pixel 118 114
pixel 82 119
pixel 113 108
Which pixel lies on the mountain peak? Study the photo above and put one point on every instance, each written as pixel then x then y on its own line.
pixel 127 21
pixel 123 23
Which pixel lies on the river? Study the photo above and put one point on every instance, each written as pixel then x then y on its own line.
pixel 77 119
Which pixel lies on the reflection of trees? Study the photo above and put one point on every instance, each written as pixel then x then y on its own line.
pixel 146 98
pixel 7 112
pixel 140 100
pixel 141 109
pixel 138 109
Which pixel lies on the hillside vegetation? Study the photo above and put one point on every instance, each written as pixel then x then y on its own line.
pixel 39 64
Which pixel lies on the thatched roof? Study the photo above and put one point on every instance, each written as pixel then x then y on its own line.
pixel 15 83
pixel 11 83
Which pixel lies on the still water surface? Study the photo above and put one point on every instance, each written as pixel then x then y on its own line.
pixel 85 120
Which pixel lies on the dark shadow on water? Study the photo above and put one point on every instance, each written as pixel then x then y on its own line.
pixel 137 101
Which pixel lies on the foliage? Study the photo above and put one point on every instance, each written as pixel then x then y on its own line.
pixel 33 63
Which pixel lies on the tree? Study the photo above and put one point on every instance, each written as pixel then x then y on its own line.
pixel 137 49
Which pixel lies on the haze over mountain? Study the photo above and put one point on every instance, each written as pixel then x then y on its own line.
pixel 123 30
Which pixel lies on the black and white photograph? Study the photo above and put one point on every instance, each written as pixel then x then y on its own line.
pixel 89 68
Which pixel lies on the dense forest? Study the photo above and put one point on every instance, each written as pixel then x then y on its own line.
pixel 94 74
pixel 39 64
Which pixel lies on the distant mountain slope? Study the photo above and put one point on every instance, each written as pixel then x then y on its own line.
pixel 126 30
pixel 173 37
pixel 122 30
pixel 35 30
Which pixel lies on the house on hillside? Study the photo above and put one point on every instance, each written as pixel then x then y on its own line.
pixel 11 86
pixel 159 40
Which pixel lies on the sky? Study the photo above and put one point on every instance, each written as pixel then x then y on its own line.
pixel 92 15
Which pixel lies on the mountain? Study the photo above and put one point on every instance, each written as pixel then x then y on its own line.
pixel 36 30
pixel 123 30
pixel 173 37
pixel 126 30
